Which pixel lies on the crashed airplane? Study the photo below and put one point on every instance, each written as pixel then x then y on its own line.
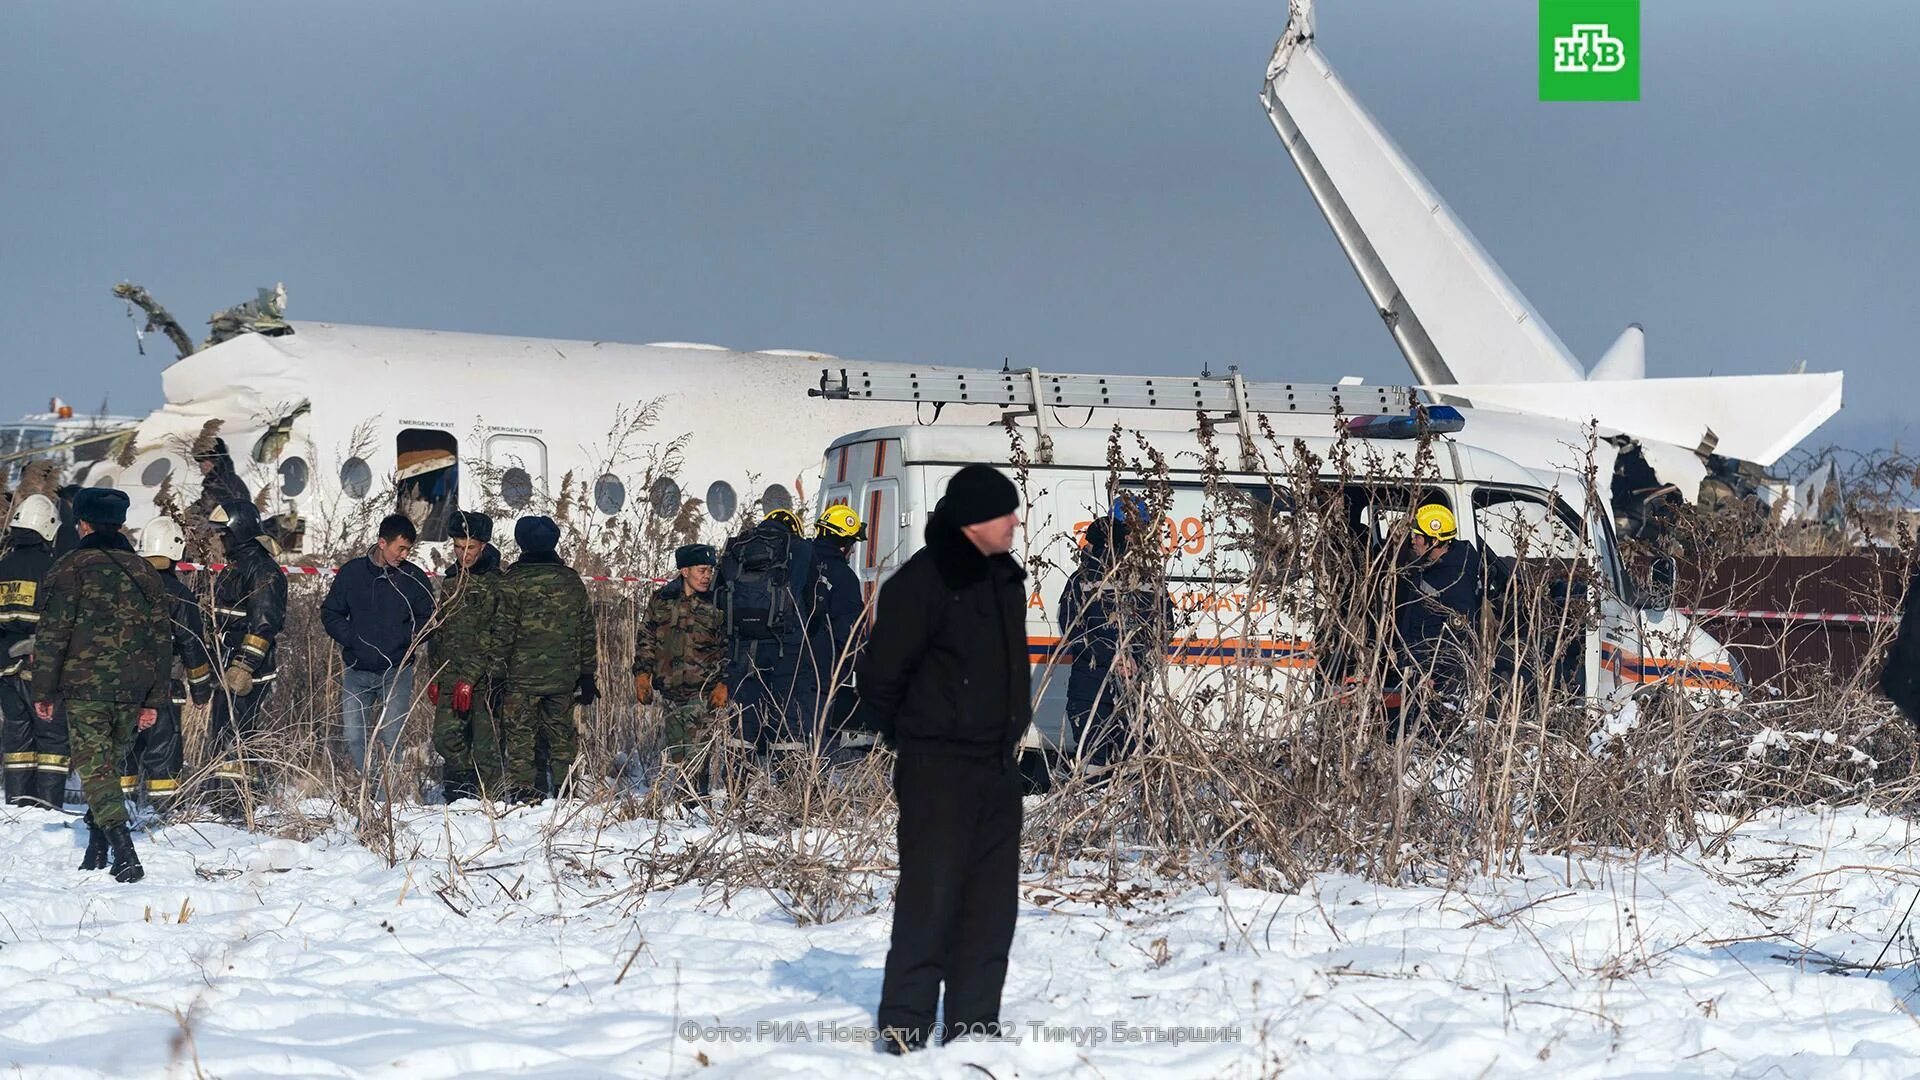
pixel 1471 337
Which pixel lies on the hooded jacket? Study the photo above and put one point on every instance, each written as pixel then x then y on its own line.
pixel 945 670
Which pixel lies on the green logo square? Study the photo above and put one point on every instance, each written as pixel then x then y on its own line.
pixel 1589 50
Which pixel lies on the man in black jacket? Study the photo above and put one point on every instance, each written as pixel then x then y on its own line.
pixel 377 610
pixel 249 611
pixel 945 680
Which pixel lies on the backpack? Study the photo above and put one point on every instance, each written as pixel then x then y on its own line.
pixel 767 584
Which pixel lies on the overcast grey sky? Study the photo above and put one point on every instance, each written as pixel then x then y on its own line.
pixel 1075 185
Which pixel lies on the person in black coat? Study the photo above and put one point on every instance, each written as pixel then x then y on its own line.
pixel 1900 679
pixel 945 679
pixel 835 639
pixel 249 611
pixel 30 538
pixel 378 610
pixel 155 753
pixel 1117 628
pixel 1435 606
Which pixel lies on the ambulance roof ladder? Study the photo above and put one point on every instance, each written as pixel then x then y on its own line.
pixel 1028 389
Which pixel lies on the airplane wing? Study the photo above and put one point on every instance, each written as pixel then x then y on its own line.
pixel 1446 303
pixel 1754 418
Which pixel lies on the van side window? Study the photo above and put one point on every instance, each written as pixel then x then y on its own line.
pixel 1226 538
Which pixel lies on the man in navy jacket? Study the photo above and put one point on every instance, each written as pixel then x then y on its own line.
pixel 378 611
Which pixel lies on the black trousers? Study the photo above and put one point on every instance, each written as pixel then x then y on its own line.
pixel 954 909
pixel 155 754
pixel 38 752
pixel 232 721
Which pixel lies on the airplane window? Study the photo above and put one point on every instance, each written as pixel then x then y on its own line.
pixel 776 497
pixel 105 481
pixel 293 476
pixel 721 501
pixel 516 487
pixel 356 478
pixel 156 471
pixel 609 494
pixel 665 497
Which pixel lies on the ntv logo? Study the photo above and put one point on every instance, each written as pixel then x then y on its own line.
pixel 1589 50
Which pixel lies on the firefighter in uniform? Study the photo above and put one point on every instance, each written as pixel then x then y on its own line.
pixel 155 753
pixel 29 556
pixel 680 657
pixel 105 649
pixel 249 609
pixel 837 641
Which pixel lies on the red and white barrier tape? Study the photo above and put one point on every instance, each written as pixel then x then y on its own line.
pixel 1697 613
pixel 323 571
pixel 1785 616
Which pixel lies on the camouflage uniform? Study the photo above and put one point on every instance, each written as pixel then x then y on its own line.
pixel 540 649
pixel 105 648
pixel 456 653
pixel 682 646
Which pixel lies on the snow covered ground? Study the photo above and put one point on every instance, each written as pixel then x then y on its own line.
pixel 516 946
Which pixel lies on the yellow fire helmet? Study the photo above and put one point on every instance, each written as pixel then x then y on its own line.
pixel 841 522
pixel 1437 522
pixel 785 517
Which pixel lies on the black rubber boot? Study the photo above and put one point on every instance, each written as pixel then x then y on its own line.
pixel 96 856
pixel 49 789
pixel 460 785
pixel 126 863
pixel 17 781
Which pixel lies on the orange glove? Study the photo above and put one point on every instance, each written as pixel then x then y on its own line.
pixel 643 688
pixel 718 699
pixel 433 693
pixel 462 697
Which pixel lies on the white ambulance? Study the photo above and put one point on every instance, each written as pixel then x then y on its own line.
pixel 895 475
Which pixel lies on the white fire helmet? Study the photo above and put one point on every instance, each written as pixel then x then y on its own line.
pixel 36 512
pixel 163 537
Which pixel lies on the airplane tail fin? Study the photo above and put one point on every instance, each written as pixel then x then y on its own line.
pixel 1454 314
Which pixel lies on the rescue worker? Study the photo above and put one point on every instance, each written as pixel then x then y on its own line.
pixel 1117 628
pixel 769 592
pixel 155 753
pixel 543 652
pixel 945 679
pixel 680 658
pixel 105 650
pixel 1900 679
pixel 30 533
pixel 465 725
pixel 836 639
pixel 1437 599
pixel 249 610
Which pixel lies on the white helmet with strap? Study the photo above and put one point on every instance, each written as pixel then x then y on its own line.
pixel 163 537
pixel 38 514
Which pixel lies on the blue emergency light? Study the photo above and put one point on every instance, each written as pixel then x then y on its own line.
pixel 1431 420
